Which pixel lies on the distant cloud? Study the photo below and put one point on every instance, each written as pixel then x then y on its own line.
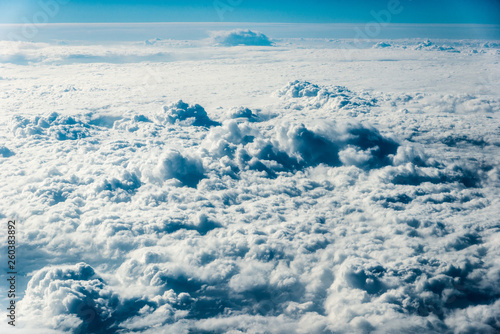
pixel 241 37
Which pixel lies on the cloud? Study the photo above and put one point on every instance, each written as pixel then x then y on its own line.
pixel 428 45
pixel 297 89
pixel 240 37
pixel 187 169
pixel 306 147
pixel 301 94
pixel 29 53
pixel 295 147
pixel 60 127
pixel 452 104
pixel 203 225
pixel 70 298
pixel 411 174
pixel 54 125
pixel 119 188
pixel 243 113
pixel 185 114
pixel 382 45
pixel 5 152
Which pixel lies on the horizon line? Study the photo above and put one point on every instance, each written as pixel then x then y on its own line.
pixel 253 22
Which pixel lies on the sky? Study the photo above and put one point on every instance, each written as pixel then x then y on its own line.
pixel 313 11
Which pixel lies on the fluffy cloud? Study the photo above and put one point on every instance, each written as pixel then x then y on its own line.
pixel 295 147
pixel 185 114
pixel 187 169
pixel 241 37
pixel 54 125
pixel 5 152
pixel 300 94
pixel 60 127
pixel 70 298
pixel 243 113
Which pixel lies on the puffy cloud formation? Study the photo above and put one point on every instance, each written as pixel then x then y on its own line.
pixel 60 127
pixel 5 152
pixel 71 298
pixel 317 216
pixel 244 113
pixel 302 94
pixel 428 45
pixel 241 37
pixel 295 147
pixel 382 45
pixel 188 170
pixel 185 114
pixel 54 125
pixel 300 88
pixel 120 188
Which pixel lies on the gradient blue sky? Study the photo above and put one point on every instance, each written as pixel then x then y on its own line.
pixel 333 11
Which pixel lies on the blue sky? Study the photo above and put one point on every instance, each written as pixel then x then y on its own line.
pixel 334 11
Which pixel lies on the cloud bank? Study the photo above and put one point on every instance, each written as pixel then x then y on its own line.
pixel 320 214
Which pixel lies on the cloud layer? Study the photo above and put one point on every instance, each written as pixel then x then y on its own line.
pixel 331 210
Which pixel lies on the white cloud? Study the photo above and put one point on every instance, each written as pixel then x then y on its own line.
pixel 69 298
pixel 187 115
pixel 240 37
pixel 187 169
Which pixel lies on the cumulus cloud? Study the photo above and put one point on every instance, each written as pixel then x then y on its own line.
pixel 240 37
pixel 119 188
pixel 301 94
pixel 70 298
pixel 54 125
pixel 297 88
pixel 295 147
pixel 186 114
pixel 187 169
pixel 5 152
pixel 60 127
pixel 243 113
